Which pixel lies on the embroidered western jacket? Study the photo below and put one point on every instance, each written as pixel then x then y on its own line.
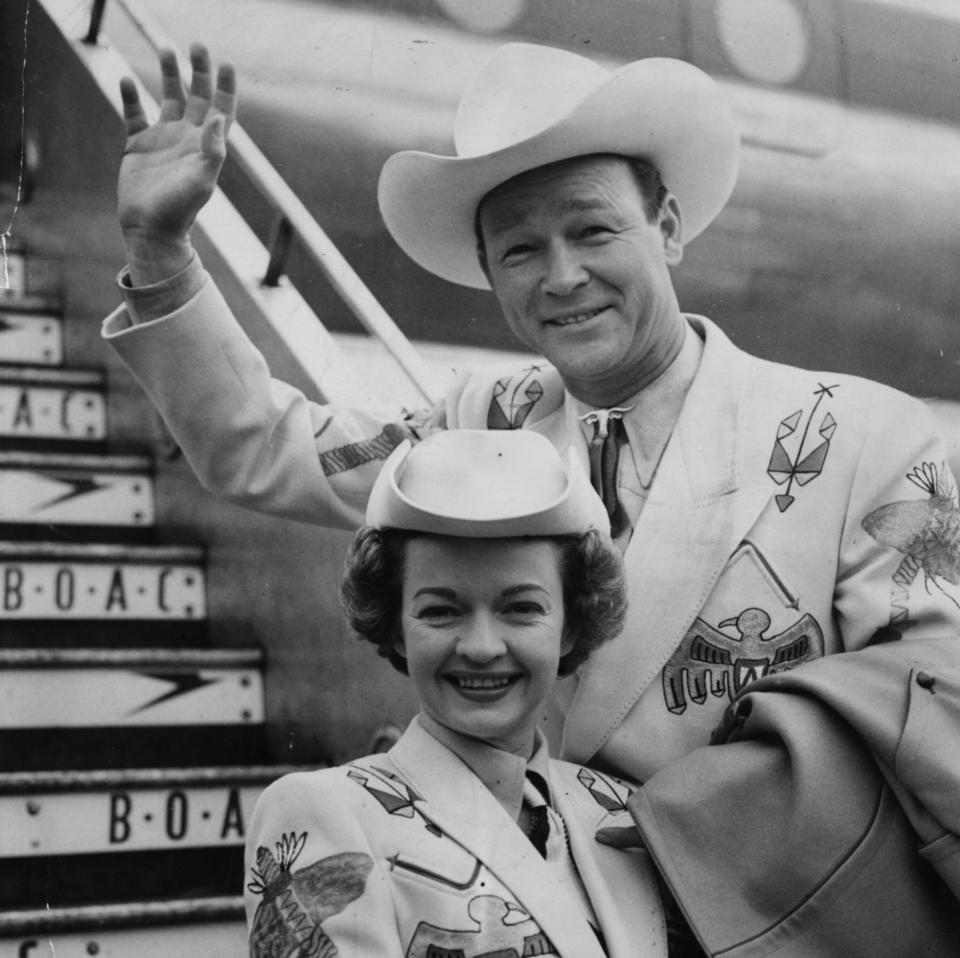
pixel 408 855
pixel 794 514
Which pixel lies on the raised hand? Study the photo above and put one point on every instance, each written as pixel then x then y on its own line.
pixel 169 170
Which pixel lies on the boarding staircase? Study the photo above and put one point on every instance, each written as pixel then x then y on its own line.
pixel 133 751
pixel 147 695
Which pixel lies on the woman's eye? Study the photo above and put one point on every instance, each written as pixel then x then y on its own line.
pixel 432 613
pixel 525 609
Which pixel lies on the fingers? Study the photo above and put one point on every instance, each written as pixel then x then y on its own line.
pixel 133 116
pixel 201 88
pixel 225 99
pixel 196 107
pixel 173 97
pixel 619 837
pixel 213 139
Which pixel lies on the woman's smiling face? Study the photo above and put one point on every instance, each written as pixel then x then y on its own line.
pixel 482 624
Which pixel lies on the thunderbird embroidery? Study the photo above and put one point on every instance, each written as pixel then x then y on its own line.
pixel 288 920
pixel 711 662
pixel 502 930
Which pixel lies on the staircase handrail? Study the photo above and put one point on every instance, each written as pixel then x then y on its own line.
pixel 293 213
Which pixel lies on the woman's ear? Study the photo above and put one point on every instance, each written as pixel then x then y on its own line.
pixel 398 644
pixel 567 642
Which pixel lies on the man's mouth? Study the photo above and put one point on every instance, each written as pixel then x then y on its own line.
pixel 575 318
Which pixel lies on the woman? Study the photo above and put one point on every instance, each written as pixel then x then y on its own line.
pixel 482 574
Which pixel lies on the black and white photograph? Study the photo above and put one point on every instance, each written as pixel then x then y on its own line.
pixel 479 478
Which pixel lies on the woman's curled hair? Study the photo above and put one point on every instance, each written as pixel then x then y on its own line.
pixel 594 594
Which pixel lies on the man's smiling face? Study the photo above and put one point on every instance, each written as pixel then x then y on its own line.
pixel 581 271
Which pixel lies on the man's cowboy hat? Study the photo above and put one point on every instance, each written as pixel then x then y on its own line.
pixel 483 484
pixel 532 105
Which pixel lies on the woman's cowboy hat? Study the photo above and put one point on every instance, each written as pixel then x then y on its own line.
pixel 483 484
pixel 532 105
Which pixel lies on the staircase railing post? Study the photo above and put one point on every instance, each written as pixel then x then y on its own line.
pixel 96 18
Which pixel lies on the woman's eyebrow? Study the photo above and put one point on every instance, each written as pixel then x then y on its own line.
pixel 436 590
pixel 524 587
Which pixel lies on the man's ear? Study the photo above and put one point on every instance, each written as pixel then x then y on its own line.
pixel 671 228
pixel 482 259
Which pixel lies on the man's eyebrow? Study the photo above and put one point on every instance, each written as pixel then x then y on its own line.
pixel 511 217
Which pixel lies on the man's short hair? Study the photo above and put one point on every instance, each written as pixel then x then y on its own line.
pixel 645 175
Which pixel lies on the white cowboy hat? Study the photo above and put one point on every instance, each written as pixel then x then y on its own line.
pixel 532 105
pixel 484 484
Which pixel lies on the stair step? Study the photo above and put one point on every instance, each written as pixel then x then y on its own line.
pixel 193 928
pixel 115 877
pixel 51 408
pixel 31 330
pixel 110 688
pixel 130 707
pixel 83 581
pixel 138 747
pixel 102 633
pixel 78 838
pixel 77 813
pixel 83 497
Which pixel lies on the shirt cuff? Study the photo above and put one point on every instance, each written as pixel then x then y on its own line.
pixel 147 303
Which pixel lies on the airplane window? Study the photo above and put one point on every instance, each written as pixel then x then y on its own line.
pixel 488 16
pixel 766 40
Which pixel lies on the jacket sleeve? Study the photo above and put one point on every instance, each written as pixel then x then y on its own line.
pixel 247 436
pixel 785 839
pixel 313 884
pixel 899 567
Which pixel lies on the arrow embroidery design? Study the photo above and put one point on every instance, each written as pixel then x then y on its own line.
pixel 802 468
pixel 393 794
pixel 609 794
pixel 509 408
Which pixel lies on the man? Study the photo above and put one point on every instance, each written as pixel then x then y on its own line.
pixel 769 516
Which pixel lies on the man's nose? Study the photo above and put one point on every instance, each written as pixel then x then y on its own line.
pixel 480 639
pixel 564 271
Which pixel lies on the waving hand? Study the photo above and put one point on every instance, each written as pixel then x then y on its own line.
pixel 170 168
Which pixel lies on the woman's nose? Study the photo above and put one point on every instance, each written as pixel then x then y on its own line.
pixel 480 639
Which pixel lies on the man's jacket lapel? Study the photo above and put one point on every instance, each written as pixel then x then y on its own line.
pixel 698 512
pixel 629 909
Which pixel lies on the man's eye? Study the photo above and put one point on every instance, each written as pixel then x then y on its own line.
pixel 595 230
pixel 516 251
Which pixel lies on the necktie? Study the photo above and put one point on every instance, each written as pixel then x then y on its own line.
pixel 538 828
pixel 609 434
